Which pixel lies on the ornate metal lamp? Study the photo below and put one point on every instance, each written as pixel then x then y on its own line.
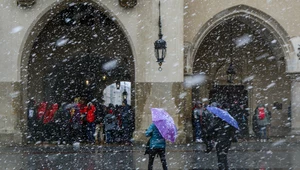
pixel 160 45
pixel 118 84
pixel 25 3
pixel 230 73
pixel 124 94
pixel 127 3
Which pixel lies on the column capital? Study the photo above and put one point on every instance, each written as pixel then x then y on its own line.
pixel 294 76
pixel 188 62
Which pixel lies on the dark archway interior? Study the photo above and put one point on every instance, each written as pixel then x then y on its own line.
pixel 240 41
pixel 73 52
pixel 237 40
pixel 258 60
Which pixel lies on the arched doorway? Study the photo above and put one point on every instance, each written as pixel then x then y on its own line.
pixel 240 37
pixel 78 53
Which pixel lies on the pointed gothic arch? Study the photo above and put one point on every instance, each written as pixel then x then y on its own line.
pixel 249 14
pixel 268 31
pixel 37 28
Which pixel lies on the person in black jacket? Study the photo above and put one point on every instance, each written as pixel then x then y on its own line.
pixel 100 113
pixel 31 121
pixel 206 137
pixel 223 134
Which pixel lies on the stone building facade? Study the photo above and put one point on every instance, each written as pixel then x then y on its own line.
pixel 259 37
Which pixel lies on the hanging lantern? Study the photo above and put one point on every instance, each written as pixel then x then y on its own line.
pixel 87 82
pixel 230 73
pixel 127 3
pixel 104 77
pixel 160 46
pixel 124 94
pixel 25 3
pixel 118 84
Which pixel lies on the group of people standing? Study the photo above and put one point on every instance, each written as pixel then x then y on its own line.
pixel 79 121
pixel 261 120
pixel 201 119
pixel 215 132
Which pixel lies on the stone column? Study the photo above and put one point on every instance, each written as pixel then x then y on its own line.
pixel 153 88
pixel 10 115
pixel 295 107
pixel 170 96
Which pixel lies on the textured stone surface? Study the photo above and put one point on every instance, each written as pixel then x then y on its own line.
pixel 171 97
pixel 10 113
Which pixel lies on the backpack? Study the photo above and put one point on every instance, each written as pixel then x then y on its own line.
pixel 261 113
pixel 110 120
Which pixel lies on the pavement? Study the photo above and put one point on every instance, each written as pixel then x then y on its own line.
pixel 276 154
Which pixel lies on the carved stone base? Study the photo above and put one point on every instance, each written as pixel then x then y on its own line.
pixel 294 136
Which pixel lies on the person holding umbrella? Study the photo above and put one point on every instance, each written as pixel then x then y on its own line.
pixel 163 128
pixel 222 129
pixel 157 146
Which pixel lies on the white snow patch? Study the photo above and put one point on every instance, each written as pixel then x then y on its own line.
pixel 250 87
pixel 14 94
pixel 67 20
pixel 274 41
pixel 194 80
pixel 204 99
pixel 243 40
pixel 110 65
pixel 271 58
pixel 279 142
pixel 270 85
pixel 61 42
pixel 249 78
pixel 182 95
pixel 262 56
pixel 16 29
pixel 76 145
pixel 269 152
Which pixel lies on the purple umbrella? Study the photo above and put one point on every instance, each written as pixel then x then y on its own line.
pixel 164 123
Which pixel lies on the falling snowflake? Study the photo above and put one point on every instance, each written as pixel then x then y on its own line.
pixel 16 29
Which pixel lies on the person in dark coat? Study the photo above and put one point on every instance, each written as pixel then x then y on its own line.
pixel 31 121
pixel 99 117
pixel 75 130
pixel 110 122
pixel 255 126
pixel 223 134
pixel 62 123
pixel 207 118
pixel 48 122
pixel 42 109
pixel 125 119
pixel 198 113
pixel 157 145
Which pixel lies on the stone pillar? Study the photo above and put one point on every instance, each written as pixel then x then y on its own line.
pixel 10 114
pixel 171 97
pixel 295 107
pixel 153 88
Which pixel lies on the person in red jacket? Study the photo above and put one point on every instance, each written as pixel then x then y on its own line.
pixel 91 126
pixel 83 112
pixel 42 108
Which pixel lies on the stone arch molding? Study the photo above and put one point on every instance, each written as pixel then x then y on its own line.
pixel 47 14
pixel 33 32
pixel 240 10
